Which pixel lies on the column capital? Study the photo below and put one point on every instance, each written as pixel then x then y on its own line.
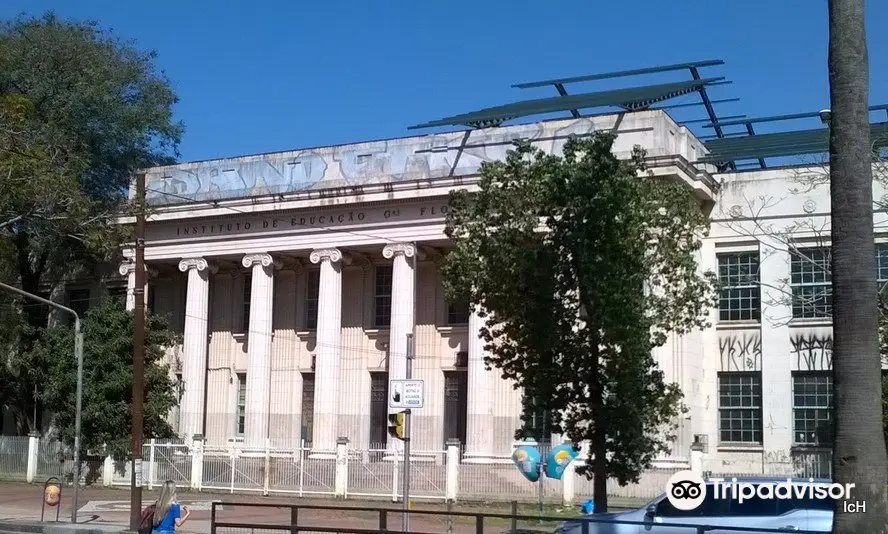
pixel 128 267
pixel 199 264
pixel 407 249
pixel 263 259
pixel 329 254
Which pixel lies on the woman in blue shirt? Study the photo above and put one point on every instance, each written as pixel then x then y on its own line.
pixel 167 512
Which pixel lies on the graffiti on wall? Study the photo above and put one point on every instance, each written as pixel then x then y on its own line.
pixel 740 351
pixel 812 350
pixel 423 157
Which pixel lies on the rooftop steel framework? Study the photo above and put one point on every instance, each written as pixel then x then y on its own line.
pixel 726 149
pixel 733 148
pixel 634 98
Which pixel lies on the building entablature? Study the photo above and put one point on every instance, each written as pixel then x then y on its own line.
pixel 427 165
pixel 799 193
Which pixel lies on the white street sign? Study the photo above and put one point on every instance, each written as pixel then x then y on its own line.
pixel 404 394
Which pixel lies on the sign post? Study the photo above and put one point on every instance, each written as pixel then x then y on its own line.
pixel 406 395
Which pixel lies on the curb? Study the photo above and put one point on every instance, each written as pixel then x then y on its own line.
pixel 17 527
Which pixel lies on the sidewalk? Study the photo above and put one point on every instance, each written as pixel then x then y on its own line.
pixel 107 509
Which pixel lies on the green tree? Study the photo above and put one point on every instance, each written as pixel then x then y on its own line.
pixel 107 378
pixel 580 267
pixel 80 110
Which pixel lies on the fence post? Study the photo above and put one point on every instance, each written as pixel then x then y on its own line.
pixel 452 470
pixel 568 484
pixel 197 452
pixel 340 489
pixel 568 481
pixel 33 456
pixel 301 467
pixel 697 458
pixel 108 469
pixel 152 462
pixel 396 480
pixel 266 467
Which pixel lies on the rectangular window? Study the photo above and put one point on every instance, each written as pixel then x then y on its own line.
pixel 308 398
pixel 740 407
pixel 241 408
pixel 812 402
pixel 882 262
pixel 78 300
pixel 382 297
pixel 740 293
pixel 150 299
pixel 312 291
pixel 248 292
pixel 117 294
pixel 455 405
pixel 458 313
pixel 882 268
pixel 811 281
pixel 378 410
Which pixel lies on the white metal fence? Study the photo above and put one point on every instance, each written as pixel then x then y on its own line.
pixel 13 457
pixel 374 473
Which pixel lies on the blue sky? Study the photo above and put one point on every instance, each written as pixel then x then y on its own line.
pixel 272 75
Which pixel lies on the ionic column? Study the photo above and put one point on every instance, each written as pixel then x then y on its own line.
pixel 479 409
pixel 128 269
pixel 194 346
pixel 327 351
pixel 259 342
pixel 403 283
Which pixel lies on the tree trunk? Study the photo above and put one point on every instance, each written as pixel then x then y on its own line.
pixel 599 431
pixel 859 455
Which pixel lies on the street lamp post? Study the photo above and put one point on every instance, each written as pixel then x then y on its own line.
pixel 78 354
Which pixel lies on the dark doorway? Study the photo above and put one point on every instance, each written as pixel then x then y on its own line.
pixel 378 413
pixel 455 405
pixel 308 400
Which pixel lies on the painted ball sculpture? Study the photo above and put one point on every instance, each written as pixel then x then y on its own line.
pixel 51 495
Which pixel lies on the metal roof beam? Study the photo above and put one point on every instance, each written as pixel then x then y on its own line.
pixel 630 99
pixel 815 141
pixel 563 92
pixel 708 120
pixel 695 104
pixel 792 116
pixel 620 74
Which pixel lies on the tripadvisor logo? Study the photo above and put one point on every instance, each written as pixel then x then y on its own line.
pixel 686 490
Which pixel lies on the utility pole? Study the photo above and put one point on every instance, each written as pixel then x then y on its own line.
pixel 78 403
pixel 138 357
pixel 407 416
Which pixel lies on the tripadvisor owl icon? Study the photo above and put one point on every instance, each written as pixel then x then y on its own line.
pixel 685 490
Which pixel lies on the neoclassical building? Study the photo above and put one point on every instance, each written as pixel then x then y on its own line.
pixel 295 278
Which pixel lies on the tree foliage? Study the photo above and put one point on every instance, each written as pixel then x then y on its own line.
pixel 580 268
pixel 80 110
pixel 107 378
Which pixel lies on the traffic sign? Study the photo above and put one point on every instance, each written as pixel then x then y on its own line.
pixel 406 394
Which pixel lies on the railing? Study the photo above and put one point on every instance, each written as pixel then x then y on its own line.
pixel 357 474
pixel 13 457
pixel 233 517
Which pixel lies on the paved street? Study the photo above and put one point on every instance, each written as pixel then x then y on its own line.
pixel 110 506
